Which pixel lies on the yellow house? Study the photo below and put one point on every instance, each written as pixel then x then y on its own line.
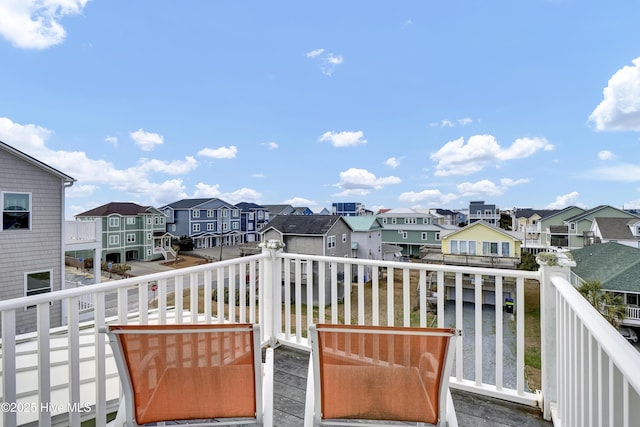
pixel 481 243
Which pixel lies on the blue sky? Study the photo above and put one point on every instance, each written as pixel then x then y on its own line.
pixel 392 104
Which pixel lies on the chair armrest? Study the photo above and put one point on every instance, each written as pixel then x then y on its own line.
pixel 267 389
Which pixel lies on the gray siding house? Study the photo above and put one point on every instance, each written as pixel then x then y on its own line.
pixel 411 230
pixel 327 235
pixel 32 195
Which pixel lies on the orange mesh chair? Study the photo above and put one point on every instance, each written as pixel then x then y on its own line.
pixel 368 375
pixel 208 374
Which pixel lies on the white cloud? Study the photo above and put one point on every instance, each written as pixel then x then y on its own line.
pixel 174 167
pixel 343 139
pixel 427 197
pixel 458 158
pixel 241 195
pixel 328 61
pixel 479 188
pixel 270 145
pixel 111 140
pixel 363 181
pixel 299 201
pixel 80 191
pixel 508 182
pixel 605 155
pixel 620 108
pixel 315 53
pixel 446 123
pixel 35 24
pixel 621 172
pixel 392 162
pixel 219 153
pixel 147 141
pixel 564 201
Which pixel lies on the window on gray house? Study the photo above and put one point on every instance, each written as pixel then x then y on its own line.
pixel 114 221
pixel 37 283
pixel 16 211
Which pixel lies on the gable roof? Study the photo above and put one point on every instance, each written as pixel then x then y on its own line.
pixel 599 208
pixel 615 228
pixel 363 223
pixel 248 206
pixel 616 266
pixel 186 203
pixel 515 235
pixel 27 158
pixel 279 209
pixel 561 211
pixel 307 225
pixel 120 208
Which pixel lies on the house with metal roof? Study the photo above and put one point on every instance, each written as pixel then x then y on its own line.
pixel 617 268
pixel 131 232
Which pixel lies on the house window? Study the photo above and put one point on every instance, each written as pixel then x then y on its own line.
pixel 250 226
pixel 114 240
pixel 437 236
pixel 572 226
pixel 148 236
pixel 196 227
pixel 260 214
pixel 131 238
pixel 210 213
pixel 210 226
pixel 37 283
pixel 344 238
pixel 148 252
pixel 487 212
pixel 196 214
pixel 114 221
pixel 632 299
pixel 236 213
pixel 235 225
pixel 453 247
pixel 463 247
pixel 394 220
pixel 426 220
pixel 173 227
pixel 424 236
pixel 404 235
pixel 149 220
pixel 505 249
pixel 131 220
pixel 489 248
pixel 158 220
pixel 384 221
pixel 251 215
pixel 410 220
pixel 16 211
pixel 331 242
pixel 225 213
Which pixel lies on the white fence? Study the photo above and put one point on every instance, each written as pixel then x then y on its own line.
pixel 589 372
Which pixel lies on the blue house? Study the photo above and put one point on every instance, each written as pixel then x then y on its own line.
pixel 209 222
pixel 253 218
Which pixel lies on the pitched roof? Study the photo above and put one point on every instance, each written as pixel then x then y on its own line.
pixel 528 213
pixel 186 203
pixel 363 223
pixel 247 206
pixel 516 235
pixel 303 224
pixel 615 228
pixel 36 162
pixel 616 266
pixel 592 211
pixel 121 208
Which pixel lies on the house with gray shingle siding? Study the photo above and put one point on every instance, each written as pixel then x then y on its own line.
pixel 620 230
pixel 326 235
pixel 411 230
pixel 32 196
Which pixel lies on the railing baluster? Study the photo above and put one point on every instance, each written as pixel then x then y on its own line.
pixel 478 329
pixel 361 308
pixel 346 288
pixel 298 296
pixel 100 359
pixel 287 299
pixel 390 286
pixel 178 293
pixel 520 315
pixel 73 353
pixel 459 325
pixel 406 297
pixel 44 365
pixel 499 362
pixel 375 296
pixel 9 373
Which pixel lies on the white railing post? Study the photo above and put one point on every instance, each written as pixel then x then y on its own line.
pixel 270 286
pixel 556 264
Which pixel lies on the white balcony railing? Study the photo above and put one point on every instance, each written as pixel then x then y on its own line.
pixel 65 376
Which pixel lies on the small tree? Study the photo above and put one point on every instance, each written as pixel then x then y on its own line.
pixel 609 305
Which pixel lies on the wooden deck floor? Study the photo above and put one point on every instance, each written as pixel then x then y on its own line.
pixel 290 380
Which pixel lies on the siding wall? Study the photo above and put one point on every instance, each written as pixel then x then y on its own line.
pixel 40 248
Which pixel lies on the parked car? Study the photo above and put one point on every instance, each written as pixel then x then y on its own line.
pixel 629 334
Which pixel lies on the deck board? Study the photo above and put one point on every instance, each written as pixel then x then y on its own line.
pixel 473 410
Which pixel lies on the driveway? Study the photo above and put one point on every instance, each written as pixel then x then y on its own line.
pixel 488 343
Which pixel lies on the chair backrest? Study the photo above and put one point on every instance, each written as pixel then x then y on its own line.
pixel 189 372
pixel 381 373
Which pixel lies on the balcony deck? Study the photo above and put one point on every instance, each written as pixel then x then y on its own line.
pixel 473 410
